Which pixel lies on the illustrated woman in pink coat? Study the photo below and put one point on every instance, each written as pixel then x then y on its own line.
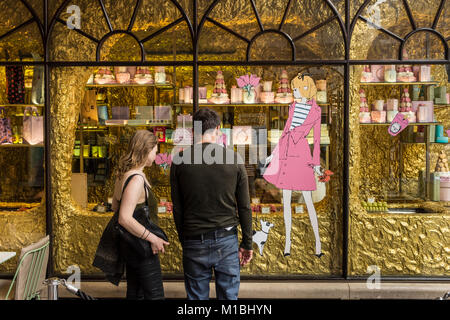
pixel 291 165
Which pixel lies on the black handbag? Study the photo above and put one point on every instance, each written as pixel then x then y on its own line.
pixel 142 215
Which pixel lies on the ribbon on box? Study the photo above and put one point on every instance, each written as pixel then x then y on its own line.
pixel 248 82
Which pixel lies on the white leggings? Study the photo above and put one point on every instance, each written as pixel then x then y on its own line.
pixel 307 195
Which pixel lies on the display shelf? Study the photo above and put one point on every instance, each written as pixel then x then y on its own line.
pixel 439 106
pixel 397 83
pixel 242 104
pixel 21 105
pixel 410 124
pixel 100 158
pixel 21 145
pixel 124 85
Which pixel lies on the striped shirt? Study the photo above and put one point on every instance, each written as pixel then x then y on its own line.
pixel 301 111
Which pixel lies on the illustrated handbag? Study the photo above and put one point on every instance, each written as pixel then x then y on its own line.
pixel 33 126
pixel 5 128
pixel 15 84
pixel 142 215
pixel 89 111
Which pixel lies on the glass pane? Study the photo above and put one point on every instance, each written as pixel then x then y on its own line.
pixel 237 16
pixel 340 6
pixel 390 15
pixel 28 35
pixel 444 21
pixel 396 176
pixel 119 12
pixel 120 47
pixel 64 38
pixel 370 43
pixel 154 15
pixel 304 15
pixel 254 129
pixel 173 44
pixel 313 45
pixel 22 206
pixel 271 12
pixel 271 46
pixel 424 12
pixel 218 44
pixel 424 45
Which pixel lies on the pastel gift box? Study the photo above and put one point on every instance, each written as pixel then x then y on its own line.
pixel 435 186
pixel 236 95
pixel 392 105
pixel 267 86
pixel 181 95
pixel 424 110
pixel 160 75
pixel 424 73
pixel 188 94
pixel 160 133
pixel 415 105
pixel 377 73
pixel 321 96
pixel 415 92
pixel 163 113
pixel 390 75
pixel 429 93
pixel 144 112
pixel 102 114
pixel 202 92
pixel 444 194
pixel 379 105
pixel 448 98
pixel 364 117
pixel 267 97
pixel 122 113
pixel 378 116
pixel 391 115
pixel 440 95
pixel 440 134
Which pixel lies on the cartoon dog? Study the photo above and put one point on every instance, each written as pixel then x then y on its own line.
pixel 260 236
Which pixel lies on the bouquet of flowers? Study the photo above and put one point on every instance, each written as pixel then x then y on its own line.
pixel 248 83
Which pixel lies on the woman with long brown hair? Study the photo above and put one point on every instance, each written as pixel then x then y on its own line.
pixel 144 279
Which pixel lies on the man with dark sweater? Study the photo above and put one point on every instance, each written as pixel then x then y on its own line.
pixel 209 188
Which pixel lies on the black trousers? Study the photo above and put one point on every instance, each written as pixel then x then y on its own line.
pixel 144 278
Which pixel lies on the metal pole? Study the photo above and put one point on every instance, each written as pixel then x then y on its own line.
pixel 52 284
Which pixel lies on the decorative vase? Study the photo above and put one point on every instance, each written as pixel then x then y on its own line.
pixel 249 96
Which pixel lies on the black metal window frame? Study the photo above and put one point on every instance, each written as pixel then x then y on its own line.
pixel 347 26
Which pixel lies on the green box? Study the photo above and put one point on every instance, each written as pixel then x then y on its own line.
pixel 440 95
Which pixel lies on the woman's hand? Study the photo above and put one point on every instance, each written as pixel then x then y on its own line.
pixel 157 243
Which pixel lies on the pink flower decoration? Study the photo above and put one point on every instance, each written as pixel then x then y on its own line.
pixel 163 158
pixel 247 80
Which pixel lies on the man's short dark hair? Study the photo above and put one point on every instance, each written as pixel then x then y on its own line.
pixel 208 117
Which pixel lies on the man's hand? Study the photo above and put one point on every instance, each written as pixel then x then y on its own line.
pixel 245 256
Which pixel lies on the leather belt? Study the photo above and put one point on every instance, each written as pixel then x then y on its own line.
pixel 215 234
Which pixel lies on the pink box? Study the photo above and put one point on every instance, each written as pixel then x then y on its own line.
pixel 377 72
pixel 378 116
pixel 163 112
pixel 392 104
pixel 415 105
pixel 425 111
pixel 120 113
pixel 424 73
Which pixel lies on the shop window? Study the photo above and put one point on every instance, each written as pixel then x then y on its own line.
pixel 161 36
pixel 271 46
pixel 424 46
pixel 120 47
pixel 424 12
pixel 20 27
pixel 22 136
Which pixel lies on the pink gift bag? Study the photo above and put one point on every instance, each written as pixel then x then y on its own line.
pixel 33 126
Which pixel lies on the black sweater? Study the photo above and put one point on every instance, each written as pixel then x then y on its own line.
pixel 208 196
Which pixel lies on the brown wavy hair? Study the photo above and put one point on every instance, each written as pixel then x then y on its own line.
pixel 141 144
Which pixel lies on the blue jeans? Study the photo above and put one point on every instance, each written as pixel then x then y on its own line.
pixel 201 257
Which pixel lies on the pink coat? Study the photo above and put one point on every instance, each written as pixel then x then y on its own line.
pixel 292 165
